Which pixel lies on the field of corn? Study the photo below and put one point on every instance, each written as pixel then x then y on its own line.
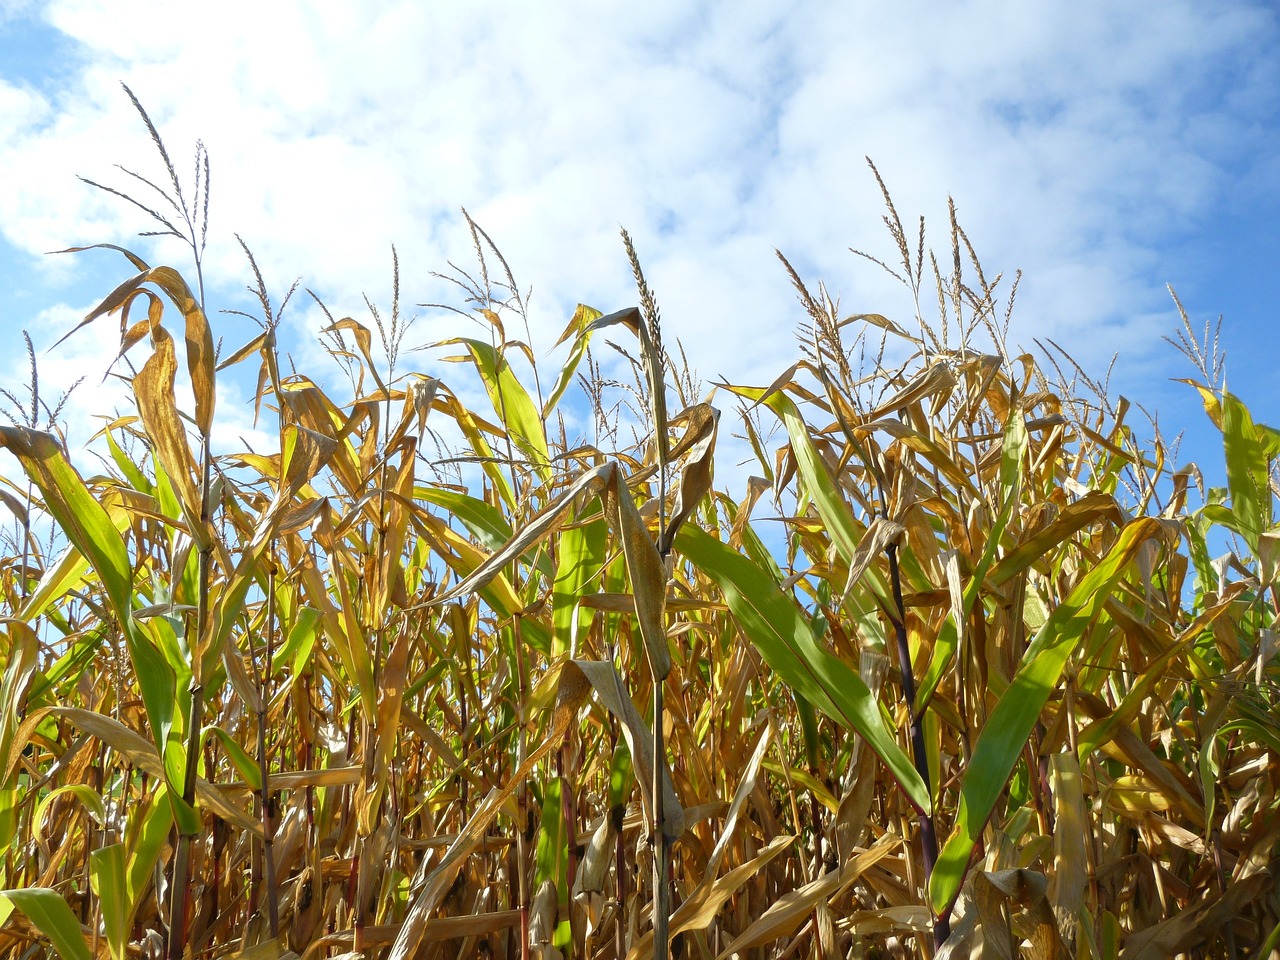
pixel 965 668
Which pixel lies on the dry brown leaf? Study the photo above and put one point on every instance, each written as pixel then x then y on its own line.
pixel 695 478
pixel 1070 837
pixel 790 910
pixel 153 389
pixel 141 752
pixel 704 904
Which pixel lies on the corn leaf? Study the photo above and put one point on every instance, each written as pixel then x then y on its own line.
pixel 80 516
pixel 515 408
pixel 1248 472
pixel 841 526
pixel 1018 709
pixel 1013 452
pixel 107 878
pixel 580 329
pixel 581 557
pixel 51 916
pixel 199 342
pixel 154 389
pixel 784 637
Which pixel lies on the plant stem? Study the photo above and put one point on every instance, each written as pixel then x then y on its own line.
pixel 661 852
pixel 178 932
pixel 928 832
pixel 264 766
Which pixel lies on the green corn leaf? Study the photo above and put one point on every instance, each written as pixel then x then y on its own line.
pixel 68 572
pixel 512 403
pixel 175 770
pixel 551 858
pixel 156 678
pixel 10 798
pixel 87 525
pixel 1018 709
pixel 1262 729
pixel 845 531
pixel 621 775
pixel 91 801
pixel 128 469
pixel 582 552
pixel 146 836
pixel 783 635
pixel 483 520
pixel 245 765
pixel 1248 471
pixel 107 878
pixel 580 329
pixel 809 725
pixel 470 426
pixel 299 642
pixel 61 577
pixel 51 916
pixel 82 519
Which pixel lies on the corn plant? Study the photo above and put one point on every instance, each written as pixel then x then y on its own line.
pixel 957 671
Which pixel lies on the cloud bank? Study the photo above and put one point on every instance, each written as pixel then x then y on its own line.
pixel 1081 143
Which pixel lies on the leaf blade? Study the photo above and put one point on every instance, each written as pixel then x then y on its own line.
pixel 784 637
pixel 1015 714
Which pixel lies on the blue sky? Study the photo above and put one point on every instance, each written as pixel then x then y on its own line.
pixel 1104 148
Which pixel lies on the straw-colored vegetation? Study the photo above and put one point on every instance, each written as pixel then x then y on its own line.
pixel 983 684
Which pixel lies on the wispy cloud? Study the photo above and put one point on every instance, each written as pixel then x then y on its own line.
pixel 1079 143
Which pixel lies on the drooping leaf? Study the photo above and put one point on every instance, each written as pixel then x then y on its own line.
pixel 652 365
pixel 199 342
pixel 138 751
pixel 784 637
pixel 645 570
pixel 1248 472
pixel 607 685
pixel 157 403
pixel 695 478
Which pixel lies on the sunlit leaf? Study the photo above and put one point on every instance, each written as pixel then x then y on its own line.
pixel 783 635
pixel 51 916
pixel 1010 723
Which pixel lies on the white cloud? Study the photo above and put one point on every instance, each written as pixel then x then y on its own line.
pixel 1076 141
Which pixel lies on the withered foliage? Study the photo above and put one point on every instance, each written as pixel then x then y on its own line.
pixel 983 688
